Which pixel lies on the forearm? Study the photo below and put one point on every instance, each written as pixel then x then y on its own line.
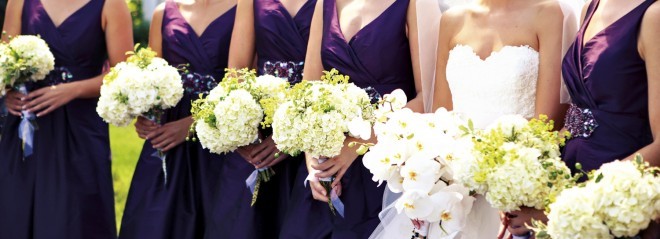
pixel 89 88
pixel 416 104
pixel 651 154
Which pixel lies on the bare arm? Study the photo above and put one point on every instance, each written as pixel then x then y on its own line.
pixel 417 103
pixel 242 48
pixel 649 49
pixel 549 29
pixel 313 64
pixel 155 30
pixel 441 93
pixel 12 25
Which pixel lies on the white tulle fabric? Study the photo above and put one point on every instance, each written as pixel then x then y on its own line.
pixel 503 83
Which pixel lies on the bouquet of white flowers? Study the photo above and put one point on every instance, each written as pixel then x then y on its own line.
pixel 24 59
pixel 618 201
pixel 316 117
pixel 144 85
pixel 231 115
pixel 412 155
pixel 515 163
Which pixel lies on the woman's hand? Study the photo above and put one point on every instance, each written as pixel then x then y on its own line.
pixel 263 154
pixel 518 220
pixel 14 101
pixel 47 99
pixel 338 165
pixel 171 134
pixel 318 191
pixel 144 127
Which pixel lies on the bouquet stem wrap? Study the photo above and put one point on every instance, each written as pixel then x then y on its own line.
pixel 336 205
pixel 155 115
pixel 27 126
pixel 253 182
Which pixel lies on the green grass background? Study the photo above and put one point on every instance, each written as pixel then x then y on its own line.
pixel 126 147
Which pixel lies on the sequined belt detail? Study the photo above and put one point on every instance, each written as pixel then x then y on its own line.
pixel 285 69
pixel 195 83
pixel 580 122
pixel 59 75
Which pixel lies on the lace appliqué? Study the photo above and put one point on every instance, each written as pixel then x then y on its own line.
pixel 285 69
pixel 580 122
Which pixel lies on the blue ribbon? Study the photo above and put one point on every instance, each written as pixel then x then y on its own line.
pixel 161 155
pixel 336 202
pixel 27 127
pixel 251 181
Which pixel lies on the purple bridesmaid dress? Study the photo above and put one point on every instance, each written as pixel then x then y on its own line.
pixel 377 56
pixel 281 44
pixel 607 81
pixel 182 208
pixel 64 189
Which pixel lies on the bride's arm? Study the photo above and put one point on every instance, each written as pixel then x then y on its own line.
pixel 449 21
pixel 417 103
pixel 549 27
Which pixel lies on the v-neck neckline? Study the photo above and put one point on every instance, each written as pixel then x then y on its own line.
pixel 287 13
pixel 341 32
pixel 199 36
pixel 66 20
pixel 583 43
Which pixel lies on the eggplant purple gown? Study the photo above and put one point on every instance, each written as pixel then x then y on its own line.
pixel 205 195
pixel 281 44
pixel 64 189
pixel 378 56
pixel 608 85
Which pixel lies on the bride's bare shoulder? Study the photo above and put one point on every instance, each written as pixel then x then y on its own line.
pixel 548 13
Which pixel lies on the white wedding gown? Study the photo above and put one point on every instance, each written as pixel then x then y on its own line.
pixel 483 90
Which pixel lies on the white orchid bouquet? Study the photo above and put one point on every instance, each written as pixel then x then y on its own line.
pixel 144 85
pixel 618 201
pixel 412 155
pixel 515 163
pixel 24 59
pixel 233 113
pixel 318 115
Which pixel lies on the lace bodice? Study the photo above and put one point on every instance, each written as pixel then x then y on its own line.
pixel 503 83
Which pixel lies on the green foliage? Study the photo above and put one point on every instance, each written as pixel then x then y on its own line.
pixel 140 26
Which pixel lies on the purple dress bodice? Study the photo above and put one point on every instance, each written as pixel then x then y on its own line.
pixel 78 44
pixel 64 188
pixel 207 53
pixel 607 81
pixel 280 37
pixel 377 56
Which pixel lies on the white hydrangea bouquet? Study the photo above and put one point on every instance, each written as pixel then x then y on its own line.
pixel 316 118
pixel 144 85
pixel 231 115
pixel 515 163
pixel 24 59
pixel 412 155
pixel 618 201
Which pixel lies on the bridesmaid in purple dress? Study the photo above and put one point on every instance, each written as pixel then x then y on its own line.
pixel 374 44
pixel 195 35
pixel 64 188
pixel 613 75
pixel 277 31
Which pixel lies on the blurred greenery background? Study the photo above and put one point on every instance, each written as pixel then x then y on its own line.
pixel 125 144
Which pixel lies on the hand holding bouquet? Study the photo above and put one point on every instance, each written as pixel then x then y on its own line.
pixel 24 59
pixel 315 119
pixel 233 112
